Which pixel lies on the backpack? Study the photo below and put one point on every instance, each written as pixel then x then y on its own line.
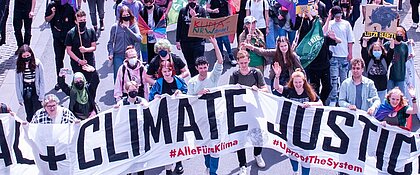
pixel 141 87
pixel 236 76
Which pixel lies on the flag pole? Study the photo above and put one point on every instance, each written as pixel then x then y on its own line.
pixel 80 39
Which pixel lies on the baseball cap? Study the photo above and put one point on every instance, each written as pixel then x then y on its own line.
pixel 249 19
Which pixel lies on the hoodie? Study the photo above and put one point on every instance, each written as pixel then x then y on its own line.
pixel 135 76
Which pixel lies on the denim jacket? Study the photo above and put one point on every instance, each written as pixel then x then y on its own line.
pixel 347 94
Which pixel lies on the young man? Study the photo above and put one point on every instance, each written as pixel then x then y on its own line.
pixel 4 14
pixel 199 85
pixel 81 54
pixel 342 52
pixel 22 16
pixel 61 19
pixel 192 47
pixel 358 92
pixel 253 78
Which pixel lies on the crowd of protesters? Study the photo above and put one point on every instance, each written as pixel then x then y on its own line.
pixel 267 39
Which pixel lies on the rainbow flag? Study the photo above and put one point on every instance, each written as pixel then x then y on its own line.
pixel 159 31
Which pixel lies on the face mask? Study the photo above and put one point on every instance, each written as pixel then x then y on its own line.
pixel 149 7
pixel 314 12
pixel 345 5
pixel 57 2
pixel 79 85
pixel 163 53
pixel 338 15
pixel 82 26
pixel 191 4
pixel 26 59
pixel 132 61
pixel 126 18
pixel 377 54
pixel 132 94
pixel 399 38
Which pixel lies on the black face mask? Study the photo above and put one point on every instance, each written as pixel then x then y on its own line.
pixel 126 18
pixel 58 2
pixel 191 4
pixel 26 59
pixel 345 5
pixel 79 85
pixel 399 38
pixel 149 7
pixel 82 26
pixel 132 94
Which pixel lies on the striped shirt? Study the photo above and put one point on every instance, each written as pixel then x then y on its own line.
pixel 28 75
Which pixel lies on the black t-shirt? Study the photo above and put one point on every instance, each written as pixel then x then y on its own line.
pixel 223 6
pixel 169 88
pixel 22 6
pixel 292 95
pixel 322 61
pixel 155 63
pixel 72 39
pixel 63 19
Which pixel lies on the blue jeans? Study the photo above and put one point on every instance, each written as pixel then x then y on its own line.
pixel 272 35
pixel 117 61
pixel 400 84
pixel 390 1
pixel 339 67
pixel 381 95
pixel 212 163
pixel 295 164
pixel 224 40
pixel 290 34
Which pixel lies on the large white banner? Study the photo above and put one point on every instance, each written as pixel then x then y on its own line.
pixel 133 138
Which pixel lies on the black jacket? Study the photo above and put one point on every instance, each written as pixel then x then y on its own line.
pixel 157 14
pixel 183 24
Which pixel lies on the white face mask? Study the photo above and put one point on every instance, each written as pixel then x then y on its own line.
pixel 313 12
pixel 132 61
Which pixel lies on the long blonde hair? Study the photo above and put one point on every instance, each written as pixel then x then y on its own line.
pixel 396 90
pixel 306 86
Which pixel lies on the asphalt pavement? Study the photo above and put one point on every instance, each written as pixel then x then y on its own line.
pixel 43 49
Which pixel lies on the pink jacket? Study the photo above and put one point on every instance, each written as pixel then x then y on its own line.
pixel 119 88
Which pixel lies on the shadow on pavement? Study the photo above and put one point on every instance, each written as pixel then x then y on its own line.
pixel 108 98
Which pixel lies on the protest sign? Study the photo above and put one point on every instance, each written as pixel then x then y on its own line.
pixel 205 27
pixel 134 138
pixel 381 21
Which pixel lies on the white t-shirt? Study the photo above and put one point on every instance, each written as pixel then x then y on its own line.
pixel 195 85
pixel 257 11
pixel 343 31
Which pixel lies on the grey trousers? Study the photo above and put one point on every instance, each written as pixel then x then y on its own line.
pixel 93 4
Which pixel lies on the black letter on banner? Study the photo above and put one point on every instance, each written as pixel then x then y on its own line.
pixel 211 112
pixel 162 119
pixel 380 149
pixel 363 143
pixel 18 153
pixel 297 129
pixel 399 138
pixel 81 146
pixel 231 110
pixel 110 146
pixel 284 119
pixel 185 105
pixel 344 144
pixel 51 158
pixel 5 152
pixel 134 129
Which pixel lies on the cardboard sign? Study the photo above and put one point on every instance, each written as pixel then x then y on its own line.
pixel 205 27
pixel 381 21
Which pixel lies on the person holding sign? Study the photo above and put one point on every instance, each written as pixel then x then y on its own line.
pixel 192 47
pixel 253 78
pixel 395 109
pixel 358 92
pixel 297 89
pixel 378 61
pixel 200 85
pixel 253 36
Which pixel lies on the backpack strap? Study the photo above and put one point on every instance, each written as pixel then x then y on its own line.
pixel 255 74
pixel 123 76
pixel 3 108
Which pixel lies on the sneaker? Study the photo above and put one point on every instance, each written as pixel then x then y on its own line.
pixel 101 24
pixel 168 172
pixel 295 173
pixel 179 169
pixel 260 161
pixel 56 87
pixel 242 170
pixel 415 25
pixel 207 171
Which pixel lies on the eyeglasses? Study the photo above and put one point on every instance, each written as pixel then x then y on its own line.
pixel 51 106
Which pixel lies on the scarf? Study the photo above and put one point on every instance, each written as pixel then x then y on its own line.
pixel 81 95
pixel 385 109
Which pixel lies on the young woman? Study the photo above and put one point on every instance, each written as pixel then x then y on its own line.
pixel 395 109
pixel 151 14
pixel 377 61
pixel 283 55
pixel 167 82
pixel 123 33
pixel 30 86
pixel 254 37
pixel 297 89
pixel 82 103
